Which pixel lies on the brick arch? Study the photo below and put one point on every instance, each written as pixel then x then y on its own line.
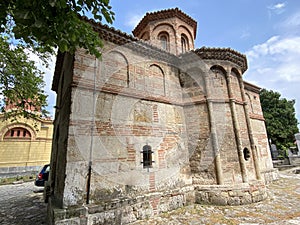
pixel 163 24
pixel 218 67
pixel 218 82
pixel 113 65
pixel 236 72
pixel 185 44
pixel 23 126
pixel 120 53
pixel 186 31
pixel 249 101
pixel 164 34
pixel 158 67
pixel 145 36
pixel 235 82
pixel 164 27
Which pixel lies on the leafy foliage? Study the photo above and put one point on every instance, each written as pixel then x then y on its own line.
pixel 20 81
pixel 279 114
pixel 43 26
pixel 56 23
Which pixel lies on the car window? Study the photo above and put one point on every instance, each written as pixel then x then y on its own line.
pixel 47 169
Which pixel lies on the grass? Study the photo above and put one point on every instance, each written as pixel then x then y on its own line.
pixel 11 180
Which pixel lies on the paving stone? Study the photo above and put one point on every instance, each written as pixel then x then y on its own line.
pixel 280 208
pixel 19 205
pixel 22 204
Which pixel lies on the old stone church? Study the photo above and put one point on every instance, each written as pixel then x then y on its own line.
pixel 154 125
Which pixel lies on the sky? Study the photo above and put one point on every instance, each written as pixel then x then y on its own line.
pixel 266 31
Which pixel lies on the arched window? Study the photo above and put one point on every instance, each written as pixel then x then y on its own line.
pixel 246 153
pixel 184 43
pixel 147 156
pixel 18 133
pixel 163 37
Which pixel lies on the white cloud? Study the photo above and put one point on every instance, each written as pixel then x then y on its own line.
pixel 278 8
pixel 275 65
pixel 292 23
pixel 261 49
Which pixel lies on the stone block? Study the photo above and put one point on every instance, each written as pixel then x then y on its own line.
pixel 202 197
pixel 219 199
pixel 257 198
pixel 234 201
pixel 73 221
pixel 247 199
pixel 237 193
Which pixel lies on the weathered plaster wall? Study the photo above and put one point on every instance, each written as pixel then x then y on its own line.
pixel 135 105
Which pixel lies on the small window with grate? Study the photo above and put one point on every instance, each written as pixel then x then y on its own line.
pixel 147 156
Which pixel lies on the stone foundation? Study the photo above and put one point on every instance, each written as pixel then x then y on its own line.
pixel 270 175
pixel 128 210
pixel 124 210
pixel 240 194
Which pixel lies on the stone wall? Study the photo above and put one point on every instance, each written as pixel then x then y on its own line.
pixel 142 131
pixel 126 210
pixel 230 194
pixel 259 133
pixel 135 106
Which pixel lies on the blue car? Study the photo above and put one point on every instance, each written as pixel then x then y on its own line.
pixel 42 176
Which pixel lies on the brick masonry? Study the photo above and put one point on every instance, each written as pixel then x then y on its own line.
pixel 196 114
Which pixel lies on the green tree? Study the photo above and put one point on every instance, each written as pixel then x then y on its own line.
pixel 279 114
pixel 42 26
pixel 20 81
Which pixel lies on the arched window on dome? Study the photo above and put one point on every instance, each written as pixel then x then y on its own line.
pixel 163 38
pixel 184 43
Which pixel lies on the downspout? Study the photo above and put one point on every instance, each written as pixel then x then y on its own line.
pixel 88 185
